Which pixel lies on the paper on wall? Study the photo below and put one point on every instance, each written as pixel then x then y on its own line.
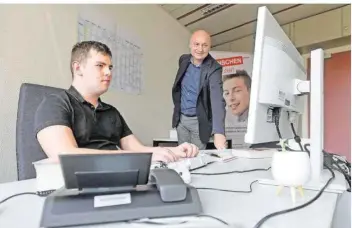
pixel 127 54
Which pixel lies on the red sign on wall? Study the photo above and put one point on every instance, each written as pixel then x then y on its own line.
pixel 232 61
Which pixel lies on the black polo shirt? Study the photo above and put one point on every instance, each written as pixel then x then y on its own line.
pixel 95 128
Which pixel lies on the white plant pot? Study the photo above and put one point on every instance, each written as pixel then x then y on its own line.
pixel 291 168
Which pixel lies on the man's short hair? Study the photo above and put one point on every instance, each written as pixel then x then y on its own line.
pixel 80 51
pixel 240 74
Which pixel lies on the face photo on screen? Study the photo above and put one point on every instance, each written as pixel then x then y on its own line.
pixel 237 94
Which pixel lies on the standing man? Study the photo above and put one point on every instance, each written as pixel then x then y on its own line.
pixel 199 106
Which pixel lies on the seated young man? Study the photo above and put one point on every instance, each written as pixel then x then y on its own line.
pixel 77 121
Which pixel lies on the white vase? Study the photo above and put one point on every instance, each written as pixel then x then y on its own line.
pixel 291 168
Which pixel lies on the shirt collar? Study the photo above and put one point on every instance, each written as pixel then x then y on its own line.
pixel 74 92
pixel 191 60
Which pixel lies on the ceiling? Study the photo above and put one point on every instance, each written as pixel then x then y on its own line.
pixel 230 22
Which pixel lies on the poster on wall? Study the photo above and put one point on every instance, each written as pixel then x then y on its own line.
pixel 236 76
pixel 127 54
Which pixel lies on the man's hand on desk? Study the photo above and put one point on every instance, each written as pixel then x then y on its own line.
pixel 186 150
pixel 220 141
pixel 172 154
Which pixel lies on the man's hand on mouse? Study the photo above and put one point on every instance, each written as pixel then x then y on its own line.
pixel 186 150
pixel 172 154
pixel 164 155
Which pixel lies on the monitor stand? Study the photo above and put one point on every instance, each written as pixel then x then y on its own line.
pixel 319 176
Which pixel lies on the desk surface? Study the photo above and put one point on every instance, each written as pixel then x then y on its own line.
pixel 166 139
pixel 175 139
pixel 242 210
pixel 211 140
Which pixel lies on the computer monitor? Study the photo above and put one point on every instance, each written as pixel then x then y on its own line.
pixel 111 172
pixel 279 81
pixel 276 66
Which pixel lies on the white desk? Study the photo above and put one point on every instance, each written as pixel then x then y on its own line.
pixel 174 142
pixel 242 210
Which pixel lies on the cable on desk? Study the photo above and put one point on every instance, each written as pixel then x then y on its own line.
pixel 305 146
pixel 301 206
pixel 348 179
pixel 19 194
pixel 213 162
pixel 213 217
pixel 151 222
pixel 230 172
pixel 203 166
pixel 336 165
pixel 335 161
pixel 226 190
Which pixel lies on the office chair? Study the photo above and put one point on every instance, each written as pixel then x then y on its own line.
pixel 28 149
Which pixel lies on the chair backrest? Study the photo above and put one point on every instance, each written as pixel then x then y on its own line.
pixel 28 150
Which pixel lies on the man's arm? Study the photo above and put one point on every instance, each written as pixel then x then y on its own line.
pixel 59 139
pixel 131 143
pixel 217 102
pixel 54 131
pixel 128 141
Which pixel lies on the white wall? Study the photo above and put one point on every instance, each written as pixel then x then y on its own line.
pixel 31 52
